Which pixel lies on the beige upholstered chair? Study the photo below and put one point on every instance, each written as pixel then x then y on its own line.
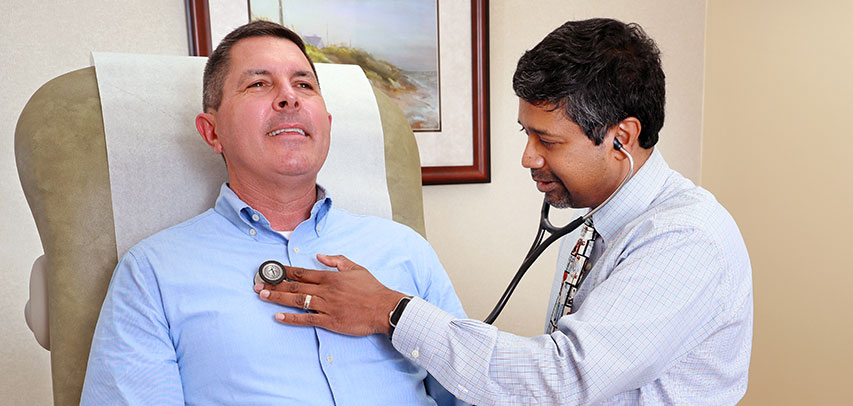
pixel 61 156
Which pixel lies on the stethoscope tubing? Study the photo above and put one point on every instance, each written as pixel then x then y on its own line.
pixel 539 246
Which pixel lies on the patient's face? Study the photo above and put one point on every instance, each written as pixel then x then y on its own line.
pixel 272 122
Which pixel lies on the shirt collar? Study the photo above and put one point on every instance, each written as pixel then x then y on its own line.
pixel 634 198
pixel 254 224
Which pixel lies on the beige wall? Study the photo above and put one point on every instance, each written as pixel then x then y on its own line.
pixel 479 231
pixel 779 97
pixel 38 41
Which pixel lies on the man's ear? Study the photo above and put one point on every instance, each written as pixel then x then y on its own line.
pixel 205 123
pixel 627 132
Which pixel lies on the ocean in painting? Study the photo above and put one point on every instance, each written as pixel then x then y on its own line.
pixel 421 104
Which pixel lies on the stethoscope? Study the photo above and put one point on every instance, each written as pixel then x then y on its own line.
pixel 272 271
pixel 545 225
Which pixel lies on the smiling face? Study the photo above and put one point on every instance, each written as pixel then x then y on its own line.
pixel 567 166
pixel 272 124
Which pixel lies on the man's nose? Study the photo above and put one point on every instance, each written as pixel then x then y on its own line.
pixel 530 158
pixel 286 98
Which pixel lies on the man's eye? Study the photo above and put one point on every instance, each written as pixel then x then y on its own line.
pixel 545 143
pixel 304 85
pixel 256 84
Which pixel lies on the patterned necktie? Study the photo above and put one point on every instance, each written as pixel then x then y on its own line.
pixel 575 273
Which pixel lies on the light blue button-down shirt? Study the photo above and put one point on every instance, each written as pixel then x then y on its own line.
pixel 182 324
pixel 663 318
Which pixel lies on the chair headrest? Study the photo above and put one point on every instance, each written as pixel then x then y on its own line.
pixel 162 172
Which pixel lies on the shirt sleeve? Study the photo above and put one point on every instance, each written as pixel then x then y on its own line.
pixel 654 306
pixel 132 360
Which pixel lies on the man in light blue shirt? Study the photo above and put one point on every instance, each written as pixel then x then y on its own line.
pixel 662 312
pixel 180 323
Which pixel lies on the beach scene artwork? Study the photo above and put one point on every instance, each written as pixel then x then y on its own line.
pixel 394 41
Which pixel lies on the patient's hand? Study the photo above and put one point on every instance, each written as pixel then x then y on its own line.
pixel 350 301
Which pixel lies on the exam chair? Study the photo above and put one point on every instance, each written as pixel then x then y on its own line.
pixel 62 161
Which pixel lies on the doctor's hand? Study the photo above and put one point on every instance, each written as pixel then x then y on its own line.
pixel 350 301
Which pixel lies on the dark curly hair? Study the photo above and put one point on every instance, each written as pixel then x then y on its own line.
pixel 600 71
pixel 216 68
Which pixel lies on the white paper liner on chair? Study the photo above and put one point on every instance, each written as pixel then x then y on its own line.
pixel 162 172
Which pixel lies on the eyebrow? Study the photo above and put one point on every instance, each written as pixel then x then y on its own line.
pixel 535 130
pixel 253 72
pixel 263 72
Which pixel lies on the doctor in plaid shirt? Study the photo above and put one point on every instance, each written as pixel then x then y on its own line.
pixel 664 314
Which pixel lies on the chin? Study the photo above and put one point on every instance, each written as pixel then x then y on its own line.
pixel 559 202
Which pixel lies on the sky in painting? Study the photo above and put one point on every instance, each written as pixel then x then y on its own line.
pixel 403 32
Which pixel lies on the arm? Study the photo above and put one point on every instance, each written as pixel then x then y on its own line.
pixel 657 303
pixel 132 360
pixel 617 341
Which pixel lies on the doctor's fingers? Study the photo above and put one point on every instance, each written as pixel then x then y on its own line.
pixel 304 275
pixel 291 287
pixel 296 300
pixel 339 261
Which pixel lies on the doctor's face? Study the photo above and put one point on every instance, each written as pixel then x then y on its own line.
pixel 272 122
pixel 565 164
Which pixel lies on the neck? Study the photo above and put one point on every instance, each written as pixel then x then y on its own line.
pixel 285 205
pixel 641 155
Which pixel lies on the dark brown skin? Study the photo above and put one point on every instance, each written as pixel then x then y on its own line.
pixel 350 301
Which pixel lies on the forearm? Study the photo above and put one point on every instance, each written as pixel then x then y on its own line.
pixel 483 366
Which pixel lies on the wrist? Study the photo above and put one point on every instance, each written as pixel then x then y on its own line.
pixel 396 313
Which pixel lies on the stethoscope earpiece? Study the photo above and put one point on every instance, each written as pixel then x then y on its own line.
pixel 271 272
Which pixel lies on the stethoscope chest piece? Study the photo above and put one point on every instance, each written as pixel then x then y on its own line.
pixel 271 272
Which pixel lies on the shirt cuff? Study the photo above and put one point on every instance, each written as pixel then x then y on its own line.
pixel 420 321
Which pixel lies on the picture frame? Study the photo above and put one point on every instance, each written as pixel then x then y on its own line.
pixel 473 170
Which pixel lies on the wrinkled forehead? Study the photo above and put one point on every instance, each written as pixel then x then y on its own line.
pixel 266 55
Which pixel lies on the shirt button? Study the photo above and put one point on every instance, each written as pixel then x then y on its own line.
pixel 415 353
pixel 296 249
pixel 319 228
pixel 256 217
pixel 329 358
pixel 252 231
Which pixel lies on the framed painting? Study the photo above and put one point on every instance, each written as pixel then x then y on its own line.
pixel 440 83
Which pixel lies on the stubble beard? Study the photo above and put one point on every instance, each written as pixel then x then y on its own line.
pixel 559 199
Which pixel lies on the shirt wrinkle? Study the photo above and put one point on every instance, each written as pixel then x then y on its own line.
pixel 209 339
pixel 652 324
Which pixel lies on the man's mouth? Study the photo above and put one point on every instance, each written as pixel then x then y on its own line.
pixel 545 181
pixel 286 130
pixel 545 186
